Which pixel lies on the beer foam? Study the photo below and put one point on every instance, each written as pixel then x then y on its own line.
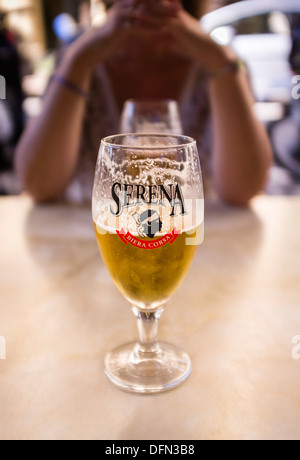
pixel 155 169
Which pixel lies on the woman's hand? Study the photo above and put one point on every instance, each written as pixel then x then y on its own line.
pixel 185 30
pixel 124 19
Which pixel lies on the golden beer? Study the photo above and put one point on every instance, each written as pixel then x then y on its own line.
pixel 148 276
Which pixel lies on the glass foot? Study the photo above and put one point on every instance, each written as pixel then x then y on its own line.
pixel 138 371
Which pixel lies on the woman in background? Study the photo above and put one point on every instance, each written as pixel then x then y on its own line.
pixel 146 49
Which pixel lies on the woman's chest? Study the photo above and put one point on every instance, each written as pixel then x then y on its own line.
pixel 148 83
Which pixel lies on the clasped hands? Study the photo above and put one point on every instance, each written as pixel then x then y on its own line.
pixel 169 17
pixel 128 18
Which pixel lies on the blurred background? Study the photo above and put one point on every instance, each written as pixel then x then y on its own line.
pixel 264 33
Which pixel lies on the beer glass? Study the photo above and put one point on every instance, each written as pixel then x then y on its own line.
pixel 148 212
pixel 155 116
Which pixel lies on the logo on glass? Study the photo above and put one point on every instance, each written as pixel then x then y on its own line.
pixel 153 205
pixel 148 223
pixel 129 195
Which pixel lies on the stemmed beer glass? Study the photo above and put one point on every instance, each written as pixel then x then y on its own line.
pixel 148 212
pixel 151 116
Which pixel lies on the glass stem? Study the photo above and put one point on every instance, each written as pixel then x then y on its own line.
pixel 148 329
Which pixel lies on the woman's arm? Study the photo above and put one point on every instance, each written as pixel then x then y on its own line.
pixel 242 153
pixel 47 154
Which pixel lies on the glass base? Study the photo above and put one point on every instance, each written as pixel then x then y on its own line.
pixel 136 371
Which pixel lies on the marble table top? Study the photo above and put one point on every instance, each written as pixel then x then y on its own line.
pixel 237 314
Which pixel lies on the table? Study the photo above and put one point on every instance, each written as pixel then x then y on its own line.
pixel 236 314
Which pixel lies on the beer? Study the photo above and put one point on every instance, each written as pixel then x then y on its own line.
pixel 148 271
